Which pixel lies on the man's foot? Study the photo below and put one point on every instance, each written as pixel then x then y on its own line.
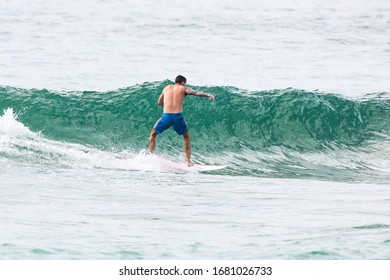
pixel 189 163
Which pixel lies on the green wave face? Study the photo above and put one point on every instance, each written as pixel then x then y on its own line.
pixel 264 133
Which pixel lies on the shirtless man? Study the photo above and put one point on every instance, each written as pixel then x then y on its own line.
pixel 172 98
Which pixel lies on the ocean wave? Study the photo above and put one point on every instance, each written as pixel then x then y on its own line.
pixel 279 133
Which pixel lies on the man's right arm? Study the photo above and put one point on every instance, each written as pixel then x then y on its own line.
pixel 160 101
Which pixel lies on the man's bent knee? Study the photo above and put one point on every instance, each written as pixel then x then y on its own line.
pixel 153 134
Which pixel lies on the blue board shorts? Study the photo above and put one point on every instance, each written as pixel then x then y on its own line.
pixel 171 119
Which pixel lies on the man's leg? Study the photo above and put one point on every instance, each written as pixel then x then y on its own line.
pixel 187 148
pixel 152 140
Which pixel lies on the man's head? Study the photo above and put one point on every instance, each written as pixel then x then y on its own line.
pixel 181 80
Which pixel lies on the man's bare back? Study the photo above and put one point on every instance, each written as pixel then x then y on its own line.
pixel 172 97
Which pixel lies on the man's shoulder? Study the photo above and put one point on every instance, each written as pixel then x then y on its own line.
pixel 167 88
pixel 179 88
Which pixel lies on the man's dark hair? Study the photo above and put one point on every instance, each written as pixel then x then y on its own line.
pixel 180 79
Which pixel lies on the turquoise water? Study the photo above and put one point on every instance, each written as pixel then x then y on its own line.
pixel 301 119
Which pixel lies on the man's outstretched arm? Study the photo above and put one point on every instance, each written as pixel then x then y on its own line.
pixel 190 91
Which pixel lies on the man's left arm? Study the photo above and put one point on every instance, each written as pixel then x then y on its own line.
pixel 190 91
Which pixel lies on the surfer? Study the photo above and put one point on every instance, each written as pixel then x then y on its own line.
pixel 171 99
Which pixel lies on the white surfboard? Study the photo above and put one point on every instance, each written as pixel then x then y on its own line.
pixel 182 166
pixel 145 161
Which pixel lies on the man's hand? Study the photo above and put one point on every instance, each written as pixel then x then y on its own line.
pixel 211 97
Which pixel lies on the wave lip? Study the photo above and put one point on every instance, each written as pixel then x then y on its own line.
pixel 9 125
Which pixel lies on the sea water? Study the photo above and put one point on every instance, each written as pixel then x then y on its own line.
pixel 301 118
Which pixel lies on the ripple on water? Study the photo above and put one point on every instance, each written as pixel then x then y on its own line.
pixel 320 254
pixel 373 226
